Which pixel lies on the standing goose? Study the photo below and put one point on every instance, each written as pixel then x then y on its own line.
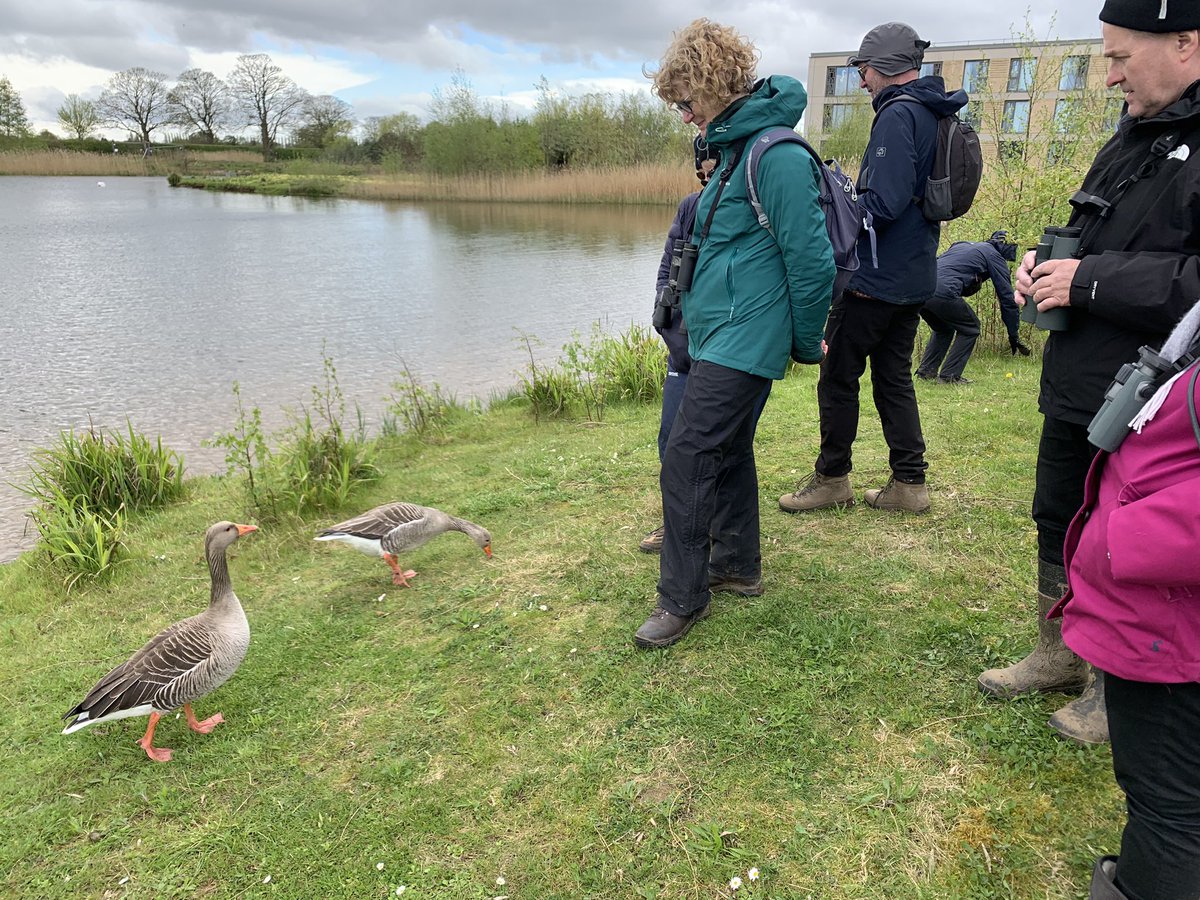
pixel 395 527
pixel 183 663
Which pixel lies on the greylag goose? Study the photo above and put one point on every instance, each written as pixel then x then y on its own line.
pixel 393 528
pixel 183 663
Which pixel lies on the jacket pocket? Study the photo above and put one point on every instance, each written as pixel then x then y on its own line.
pixel 731 282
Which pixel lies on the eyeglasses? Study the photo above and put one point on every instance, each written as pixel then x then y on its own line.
pixel 862 72
pixel 684 108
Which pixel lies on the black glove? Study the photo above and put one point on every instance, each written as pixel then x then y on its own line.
pixel 1017 347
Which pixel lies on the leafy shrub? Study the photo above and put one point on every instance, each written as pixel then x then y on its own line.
pixel 174 178
pixel 419 409
pixel 317 462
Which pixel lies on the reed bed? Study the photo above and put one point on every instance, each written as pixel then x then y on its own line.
pixel 69 162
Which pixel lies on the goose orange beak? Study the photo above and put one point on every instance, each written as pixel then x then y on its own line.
pixel 245 529
pixel 487 552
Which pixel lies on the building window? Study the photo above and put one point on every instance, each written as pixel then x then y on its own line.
pixel 837 115
pixel 972 114
pixel 1020 73
pixel 1074 73
pixel 931 68
pixel 975 75
pixel 1016 117
pixel 842 81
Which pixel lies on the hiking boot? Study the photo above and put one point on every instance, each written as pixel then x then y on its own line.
pixel 953 379
pixel 926 376
pixel 652 543
pixel 1085 719
pixel 729 584
pixel 664 628
pixel 1051 666
pixel 818 491
pixel 899 496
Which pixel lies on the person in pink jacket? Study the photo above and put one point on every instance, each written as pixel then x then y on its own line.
pixel 1132 609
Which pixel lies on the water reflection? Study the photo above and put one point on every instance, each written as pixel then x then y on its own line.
pixel 139 301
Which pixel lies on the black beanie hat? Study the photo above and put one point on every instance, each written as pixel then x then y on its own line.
pixel 1156 16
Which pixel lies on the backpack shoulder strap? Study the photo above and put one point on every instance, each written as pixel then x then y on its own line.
pixel 761 145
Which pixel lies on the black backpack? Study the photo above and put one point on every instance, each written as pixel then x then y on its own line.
pixel 844 220
pixel 957 168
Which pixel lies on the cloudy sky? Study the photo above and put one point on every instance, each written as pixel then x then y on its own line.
pixel 387 56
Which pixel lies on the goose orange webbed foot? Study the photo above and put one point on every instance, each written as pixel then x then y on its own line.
pixel 146 742
pixel 401 578
pixel 202 727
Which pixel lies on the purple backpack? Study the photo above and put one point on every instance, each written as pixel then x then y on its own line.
pixel 844 220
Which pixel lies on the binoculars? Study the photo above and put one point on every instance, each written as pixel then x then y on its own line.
pixel 1056 242
pixel 1134 385
pixel 679 281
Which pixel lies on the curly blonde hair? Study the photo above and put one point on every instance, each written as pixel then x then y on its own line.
pixel 713 62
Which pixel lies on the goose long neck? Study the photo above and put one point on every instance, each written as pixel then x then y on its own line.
pixel 218 570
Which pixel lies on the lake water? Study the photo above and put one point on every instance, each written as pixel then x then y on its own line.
pixel 127 298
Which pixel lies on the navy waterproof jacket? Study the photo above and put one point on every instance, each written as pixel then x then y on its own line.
pixel 966 265
pixel 895 167
pixel 676 340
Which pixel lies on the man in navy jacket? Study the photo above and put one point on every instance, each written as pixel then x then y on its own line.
pixel 961 272
pixel 876 317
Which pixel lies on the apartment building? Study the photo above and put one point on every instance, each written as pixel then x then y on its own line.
pixel 1022 94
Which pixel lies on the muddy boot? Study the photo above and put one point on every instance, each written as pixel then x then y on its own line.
pixel 899 496
pixel 1051 666
pixel 1104 885
pixel 1085 719
pixel 818 491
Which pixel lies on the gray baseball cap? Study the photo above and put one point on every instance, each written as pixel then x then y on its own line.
pixel 891 49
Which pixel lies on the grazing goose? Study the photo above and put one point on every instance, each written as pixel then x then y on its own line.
pixel 395 527
pixel 183 663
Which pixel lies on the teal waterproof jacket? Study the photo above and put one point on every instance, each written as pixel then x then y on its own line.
pixel 758 299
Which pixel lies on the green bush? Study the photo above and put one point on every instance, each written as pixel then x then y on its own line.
pixel 106 472
pixel 420 410
pixel 174 178
pixel 88 543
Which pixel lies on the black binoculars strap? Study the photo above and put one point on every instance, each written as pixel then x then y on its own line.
pixel 1162 147
pixel 735 153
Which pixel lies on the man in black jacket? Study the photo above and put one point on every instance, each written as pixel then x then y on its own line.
pixel 961 272
pixel 876 317
pixel 1136 273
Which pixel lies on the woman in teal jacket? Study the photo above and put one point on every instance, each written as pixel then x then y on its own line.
pixel 756 300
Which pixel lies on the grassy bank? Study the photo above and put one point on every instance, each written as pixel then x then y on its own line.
pixel 495 722
pixel 162 162
pixel 636 185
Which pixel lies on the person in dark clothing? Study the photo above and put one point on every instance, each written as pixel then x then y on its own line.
pixel 1137 271
pixel 741 331
pixel 961 272
pixel 876 317
pixel 674 335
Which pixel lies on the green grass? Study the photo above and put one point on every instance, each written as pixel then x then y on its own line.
pixel 496 721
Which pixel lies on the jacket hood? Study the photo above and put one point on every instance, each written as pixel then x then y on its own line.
pixel 930 90
pixel 776 100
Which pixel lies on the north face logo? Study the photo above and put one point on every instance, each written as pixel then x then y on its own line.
pixel 881 151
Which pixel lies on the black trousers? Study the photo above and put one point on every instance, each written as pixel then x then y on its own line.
pixel 955 330
pixel 1154 729
pixel 862 328
pixel 710 487
pixel 1064 456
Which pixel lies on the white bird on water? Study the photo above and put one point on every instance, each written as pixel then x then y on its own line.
pixel 99 184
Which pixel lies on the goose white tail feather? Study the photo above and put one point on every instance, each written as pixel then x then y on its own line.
pixel 83 720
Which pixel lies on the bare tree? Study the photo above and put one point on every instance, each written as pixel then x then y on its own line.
pixel 268 98
pixel 78 116
pixel 136 100
pixel 13 120
pixel 326 118
pixel 200 101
